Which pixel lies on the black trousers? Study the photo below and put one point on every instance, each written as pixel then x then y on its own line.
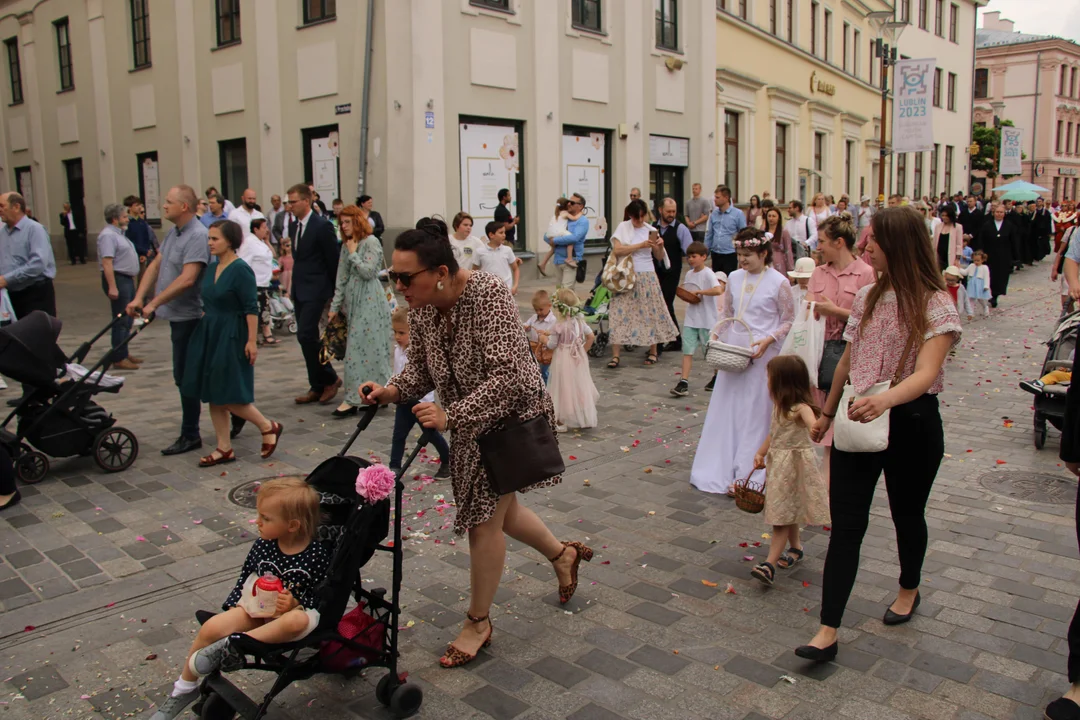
pixel 669 281
pixel 1070 453
pixel 76 245
pixel 728 263
pixel 308 314
pixel 181 333
pixel 910 464
pixel 39 296
pixel 7 473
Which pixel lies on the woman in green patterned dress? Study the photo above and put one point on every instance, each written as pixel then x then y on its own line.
pixel 362 299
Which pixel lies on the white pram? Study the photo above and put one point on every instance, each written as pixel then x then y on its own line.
pixel 282 312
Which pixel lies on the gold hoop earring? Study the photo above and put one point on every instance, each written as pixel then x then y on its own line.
pixel 439 285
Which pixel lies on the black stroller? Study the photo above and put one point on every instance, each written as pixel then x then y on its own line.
pixel 1050 399
pixel 57 415
pixel 354 530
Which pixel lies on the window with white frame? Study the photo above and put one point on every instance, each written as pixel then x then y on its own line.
pixel 781 151
pixel 667 24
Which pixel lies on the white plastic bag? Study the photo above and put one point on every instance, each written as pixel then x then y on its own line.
pixel 7 310
pixel 806 339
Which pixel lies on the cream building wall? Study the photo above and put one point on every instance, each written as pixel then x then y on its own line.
pixel 280 89
pixel 924 38
pixel 768 82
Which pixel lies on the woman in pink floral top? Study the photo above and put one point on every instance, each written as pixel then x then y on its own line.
pixel 467 343
pixel 909 300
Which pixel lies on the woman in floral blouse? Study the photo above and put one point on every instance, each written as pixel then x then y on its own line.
pixel 467 343
pixel 909 300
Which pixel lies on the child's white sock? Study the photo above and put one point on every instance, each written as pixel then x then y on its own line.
pixel 183 687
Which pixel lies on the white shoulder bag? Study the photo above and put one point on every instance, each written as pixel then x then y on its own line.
pixel 853 436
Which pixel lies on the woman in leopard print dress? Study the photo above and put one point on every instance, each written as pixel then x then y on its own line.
pixel 467 343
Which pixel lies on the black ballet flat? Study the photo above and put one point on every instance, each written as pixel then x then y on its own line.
pixel 353 410
pixel 816 654
pixel 892 618
pixel 13 501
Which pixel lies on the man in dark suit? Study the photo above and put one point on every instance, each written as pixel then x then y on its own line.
pixel 315 260
pixel 971 217
pixel 73 238
pixel 1042 229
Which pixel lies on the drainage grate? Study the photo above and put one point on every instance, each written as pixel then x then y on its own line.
pixel 244 493
pixel 1030 486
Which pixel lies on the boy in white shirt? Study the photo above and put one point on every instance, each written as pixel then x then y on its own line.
pixel 497 258
pixel 538 328
pixel 702 316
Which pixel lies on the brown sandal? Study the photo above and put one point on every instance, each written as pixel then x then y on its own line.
pixel 583 553
pixel 227 456
pixel 456 658
pixel 268 448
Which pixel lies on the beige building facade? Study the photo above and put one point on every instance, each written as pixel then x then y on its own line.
pixel 799 99
pixel 105 98
pixel 1034 81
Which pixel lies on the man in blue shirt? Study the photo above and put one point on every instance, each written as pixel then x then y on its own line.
pixel 217 211
pixel 139 232
pixel 27 265
pixel 724 222
pixel 566 274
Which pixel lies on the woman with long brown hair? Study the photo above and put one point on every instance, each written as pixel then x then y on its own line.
pixel 900 329
pixel 360 296
pixel 782 258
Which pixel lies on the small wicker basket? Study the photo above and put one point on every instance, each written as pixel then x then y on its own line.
pixel 727 357
pixel 749 496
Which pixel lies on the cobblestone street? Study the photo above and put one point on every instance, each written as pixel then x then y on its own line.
pixel 101 575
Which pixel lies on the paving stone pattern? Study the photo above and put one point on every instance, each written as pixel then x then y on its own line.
pixel 100 575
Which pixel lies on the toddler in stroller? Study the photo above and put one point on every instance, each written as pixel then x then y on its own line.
pixel 596 311
pixel 351 529
pixel 288 513
pixel 282 313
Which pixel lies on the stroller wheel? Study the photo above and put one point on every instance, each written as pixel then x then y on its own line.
pixel 215 707
pixel 387 684
pixel 293 327
pixel 599 345
pixel 406 699
pixel 32 467
pixel 115 449
pixel 1040 432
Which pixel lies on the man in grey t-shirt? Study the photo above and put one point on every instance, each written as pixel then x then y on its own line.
pixel 176 276
pixel 118 262
pixel 697 213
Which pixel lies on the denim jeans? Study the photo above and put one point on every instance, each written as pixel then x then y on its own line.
pixel 404 421
pixel 125 287
pixel 190 406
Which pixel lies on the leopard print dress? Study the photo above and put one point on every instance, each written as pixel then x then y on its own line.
pixel 483 370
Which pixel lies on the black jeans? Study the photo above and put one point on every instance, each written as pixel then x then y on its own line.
pixel 76 245
pixel 125 288
pixel 190 406
pixel 39 296
pixel 7 473
pixel 1070 453
pixel 728 263
pixel 308 314
pixel 404 421
pixel 910 463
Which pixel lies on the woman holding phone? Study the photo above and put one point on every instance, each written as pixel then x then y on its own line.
pixel 639 315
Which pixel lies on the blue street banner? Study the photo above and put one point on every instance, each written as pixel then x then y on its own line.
pixel 1012 140
pixel 913 91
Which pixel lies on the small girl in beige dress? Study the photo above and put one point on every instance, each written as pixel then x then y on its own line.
pixel 795 493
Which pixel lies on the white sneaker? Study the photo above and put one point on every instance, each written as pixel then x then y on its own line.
pixel 560 428
pixel 3 385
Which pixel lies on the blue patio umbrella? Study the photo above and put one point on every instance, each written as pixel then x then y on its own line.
pixel 1020 195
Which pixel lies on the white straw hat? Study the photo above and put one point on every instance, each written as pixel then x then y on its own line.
pixel 954 271
pixel 804 268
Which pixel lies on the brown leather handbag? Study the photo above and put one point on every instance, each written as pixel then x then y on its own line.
pixel 523 453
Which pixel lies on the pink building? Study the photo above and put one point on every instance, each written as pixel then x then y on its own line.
pixel 1033 80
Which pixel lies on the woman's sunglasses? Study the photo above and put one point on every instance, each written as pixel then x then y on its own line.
pixel 404 278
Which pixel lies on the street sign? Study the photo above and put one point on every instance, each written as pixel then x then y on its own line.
pixel 343 109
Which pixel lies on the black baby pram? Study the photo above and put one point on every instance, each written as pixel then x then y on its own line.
pixel 1050 399
pixel 57 415
pixel 354 530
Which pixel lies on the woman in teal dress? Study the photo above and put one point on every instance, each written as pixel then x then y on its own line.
pixel 361 297
pixel 221 357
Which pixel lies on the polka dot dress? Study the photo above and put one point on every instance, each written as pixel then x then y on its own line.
pixel 299 573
